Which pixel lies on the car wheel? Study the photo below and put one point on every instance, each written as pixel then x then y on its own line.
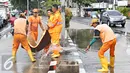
pixel 2 25
pixel 114 25
pixel 109 24
pixel 123 25
pixel 102 22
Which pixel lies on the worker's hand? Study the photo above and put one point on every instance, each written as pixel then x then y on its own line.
pixel 87 48
pixel 28 33
pixel 43 29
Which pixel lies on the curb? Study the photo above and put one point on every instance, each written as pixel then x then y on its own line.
pixel 52 68
pixel 81 67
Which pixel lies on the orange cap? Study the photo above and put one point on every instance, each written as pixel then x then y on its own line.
pixel 35 10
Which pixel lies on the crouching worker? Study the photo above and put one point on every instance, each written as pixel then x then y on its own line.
pixel 106 34
pixel 20 28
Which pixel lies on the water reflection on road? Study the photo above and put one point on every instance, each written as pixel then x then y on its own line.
pixel 82 37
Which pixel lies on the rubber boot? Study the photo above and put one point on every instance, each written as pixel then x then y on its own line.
pixel 56 51
pixel 55 54
pixel 31 56
pixel 112 61
pixel 104 64
pixel 14 56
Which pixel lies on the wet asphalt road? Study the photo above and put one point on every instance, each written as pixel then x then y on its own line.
pixel 90 59
pixel 86 21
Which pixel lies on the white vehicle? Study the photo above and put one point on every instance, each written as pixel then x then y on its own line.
pixel 3 13
pixel 3 17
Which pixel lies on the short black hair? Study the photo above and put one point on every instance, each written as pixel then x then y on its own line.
pixel 13 15
pixel 55 6
pixel 49 10
pixel 22 17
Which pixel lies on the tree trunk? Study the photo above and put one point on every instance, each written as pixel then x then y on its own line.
pixel 79 10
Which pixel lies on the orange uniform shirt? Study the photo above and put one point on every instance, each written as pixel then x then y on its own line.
pixel 106 33
pixel 20 26
pixel 51 30
pixel 34 23
pixel 55 22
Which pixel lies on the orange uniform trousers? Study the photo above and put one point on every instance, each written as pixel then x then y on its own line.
pixel 34 35
pixel 110 44
pixel 20 38
pixel 55 38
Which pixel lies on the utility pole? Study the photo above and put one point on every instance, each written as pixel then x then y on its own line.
pixel 27 8
pixel 114 3
pixel 63 18
pixel 38 5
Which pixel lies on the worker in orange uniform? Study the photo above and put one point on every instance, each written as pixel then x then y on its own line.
pixel 106 34
pixel 34 20
pixel 50 18
pixel 55 28
pixel 20 28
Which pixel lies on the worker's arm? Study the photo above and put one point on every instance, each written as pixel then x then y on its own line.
pixel 54 21
pixel 29 25
pixel 41 25
pixel 96 36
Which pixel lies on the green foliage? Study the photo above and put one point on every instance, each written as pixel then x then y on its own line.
pixel 41 12
pixel 124 11
pixel 68 16
pixel 48 4
pixel 22 4
pixel 84 2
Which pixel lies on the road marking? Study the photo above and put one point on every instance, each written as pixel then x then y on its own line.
pixel 72 44
pixel 52 68
pixel 76 53
pixel 79 61
pixel 117 35
pixel 128 51
pixel 70 41
pixel 53 63
pixel 82 70
pixel 52 71
pixel 69 38
pixel 128 46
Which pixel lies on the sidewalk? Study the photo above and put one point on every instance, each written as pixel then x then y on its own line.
pixel 76 25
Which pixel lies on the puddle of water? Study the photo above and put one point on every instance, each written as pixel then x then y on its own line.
pixel 82 38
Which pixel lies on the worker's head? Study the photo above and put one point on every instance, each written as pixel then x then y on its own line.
pixel 54 8
pixel 22 15
pixel 35 12
pixel 59 8
pixel 49 12
pixel 94 22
